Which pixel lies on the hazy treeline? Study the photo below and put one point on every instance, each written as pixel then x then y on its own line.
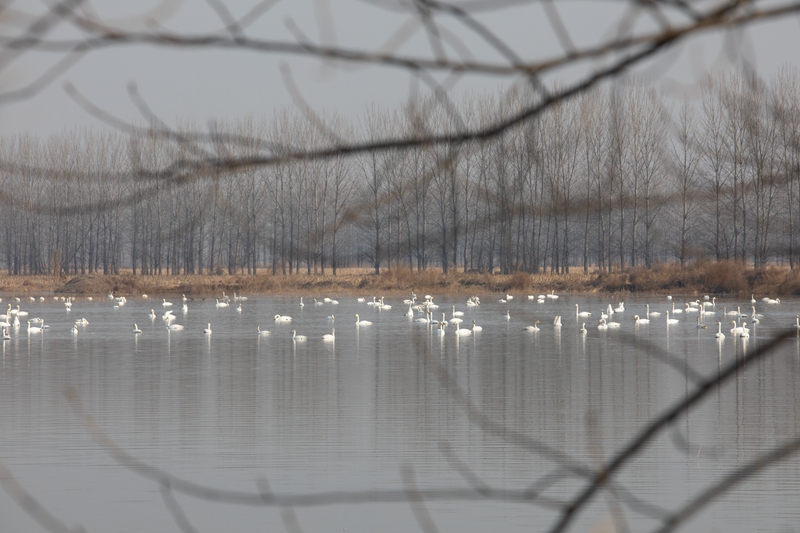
pixel 616 177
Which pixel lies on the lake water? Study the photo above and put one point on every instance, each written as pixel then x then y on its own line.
pixel 234 410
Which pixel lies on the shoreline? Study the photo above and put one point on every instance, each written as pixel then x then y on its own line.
pixel 723 278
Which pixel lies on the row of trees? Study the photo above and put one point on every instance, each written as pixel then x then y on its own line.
pixel 615 177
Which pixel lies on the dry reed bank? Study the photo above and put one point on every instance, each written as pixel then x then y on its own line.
pixel 707 278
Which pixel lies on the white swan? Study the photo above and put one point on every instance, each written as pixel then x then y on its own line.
pixel 654 313
pixel 735 313
pixel 581 313
pixel 330 337
pixel 152 314
pixel 301 302
pixel 462 332
pixel 735 330
pixel 620 308
pixel 457 313
pixel 638 320
pixel 508 314
pixel 476 328
pixel 719 333
pixel 136 329
pixel 362 322
pixel 165 303
pixel 699 325
pixel 674 320
pixel 534 327
pixel 184 308
pixel 6 335
pixel 175 327
pixel 676 311
pixel 298 338
pixel 601 324
pixel 239 308
pixel 207 331
pixel 282 319
pixel 33 329
pixel 583 330
pixel 262 332
pixel 221 304
pixel 74 330
pixel 745 332
pixel 557 321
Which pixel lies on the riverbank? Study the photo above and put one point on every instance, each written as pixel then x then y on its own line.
pixel 726 278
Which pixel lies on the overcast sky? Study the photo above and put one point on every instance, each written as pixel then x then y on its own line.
pixel 207 84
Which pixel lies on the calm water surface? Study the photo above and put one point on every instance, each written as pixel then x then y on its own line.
pixel 234 410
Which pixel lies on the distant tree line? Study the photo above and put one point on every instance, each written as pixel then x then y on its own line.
pixel 615 177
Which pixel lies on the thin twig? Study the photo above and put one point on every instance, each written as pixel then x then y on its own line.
pixel 31 505
pixel 178 514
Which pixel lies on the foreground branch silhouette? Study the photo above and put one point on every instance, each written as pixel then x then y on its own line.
pixel 208 159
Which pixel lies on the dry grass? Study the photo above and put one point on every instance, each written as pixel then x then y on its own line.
pixel 698 278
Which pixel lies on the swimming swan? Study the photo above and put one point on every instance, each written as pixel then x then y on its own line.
pixel 362 322
pixel 534 327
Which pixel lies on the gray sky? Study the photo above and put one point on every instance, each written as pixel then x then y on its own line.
pixel 206 84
